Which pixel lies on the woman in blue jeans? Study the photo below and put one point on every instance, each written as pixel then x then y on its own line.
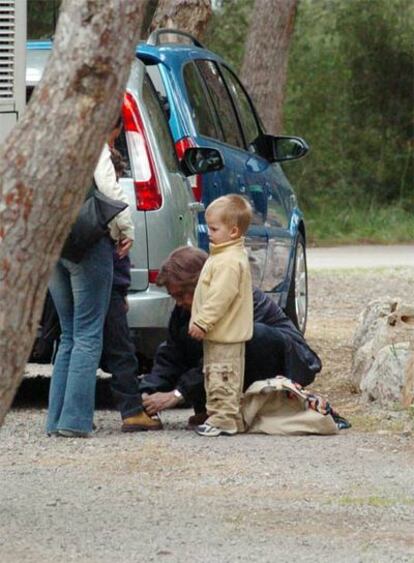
pixel 81 293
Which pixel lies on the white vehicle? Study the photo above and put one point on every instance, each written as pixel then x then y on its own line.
pixel 12 64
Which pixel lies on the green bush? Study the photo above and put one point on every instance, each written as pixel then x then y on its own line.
pixel 335 224
pixel 42 16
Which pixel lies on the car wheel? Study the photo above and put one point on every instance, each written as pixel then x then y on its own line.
pixel 297 301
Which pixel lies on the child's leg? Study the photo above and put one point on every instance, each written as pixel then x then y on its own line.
pixel 224 373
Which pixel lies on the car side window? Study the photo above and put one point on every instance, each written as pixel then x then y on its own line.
pixel 247 116
pixel 222 102
pixel 202 112
pixel 159 124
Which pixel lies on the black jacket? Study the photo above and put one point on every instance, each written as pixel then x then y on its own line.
pixel 276 348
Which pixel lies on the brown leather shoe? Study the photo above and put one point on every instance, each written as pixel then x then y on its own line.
pixel 196 420
pixel 140 422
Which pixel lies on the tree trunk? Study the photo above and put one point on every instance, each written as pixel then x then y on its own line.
pixel 264 69
pixel 186 15
pixel 47 163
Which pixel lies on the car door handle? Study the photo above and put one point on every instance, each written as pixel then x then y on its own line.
pixel 242 185
pixel 196 206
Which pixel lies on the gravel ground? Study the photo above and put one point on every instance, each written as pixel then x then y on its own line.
pixel 175 497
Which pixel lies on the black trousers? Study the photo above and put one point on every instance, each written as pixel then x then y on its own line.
pixel 119 359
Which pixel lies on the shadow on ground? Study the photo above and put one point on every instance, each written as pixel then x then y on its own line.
pixel 33 392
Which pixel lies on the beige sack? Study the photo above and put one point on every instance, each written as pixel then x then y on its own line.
pixel 276 406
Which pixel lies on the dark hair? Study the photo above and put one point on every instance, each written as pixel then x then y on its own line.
pixel 182 268
pixel 118 122
pixel 118 161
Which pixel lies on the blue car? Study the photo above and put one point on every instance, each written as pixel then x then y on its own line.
pixel 208 106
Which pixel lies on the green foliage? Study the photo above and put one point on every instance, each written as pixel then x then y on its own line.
pixel 350 94
pixel 41 18
pixel 227 30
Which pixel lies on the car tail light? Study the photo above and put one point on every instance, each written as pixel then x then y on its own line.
pixel 152 275
pixel 196 181
pixel 147 191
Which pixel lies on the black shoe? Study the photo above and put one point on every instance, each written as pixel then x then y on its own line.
pixel 341 422
pixel 73 434
pixel 196 420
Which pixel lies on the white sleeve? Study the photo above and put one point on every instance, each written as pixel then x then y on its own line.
pixel 105 179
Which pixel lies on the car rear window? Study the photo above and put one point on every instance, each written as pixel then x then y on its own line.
pixel 158 119
pixel 158 83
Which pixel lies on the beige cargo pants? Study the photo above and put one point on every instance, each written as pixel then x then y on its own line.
pixel 223 368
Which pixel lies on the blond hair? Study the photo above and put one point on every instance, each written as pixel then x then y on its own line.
pixel 233 210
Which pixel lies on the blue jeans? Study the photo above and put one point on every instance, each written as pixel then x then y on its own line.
pixel 81 295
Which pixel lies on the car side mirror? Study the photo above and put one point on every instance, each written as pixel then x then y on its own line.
pixel 281 148
pixel 199 160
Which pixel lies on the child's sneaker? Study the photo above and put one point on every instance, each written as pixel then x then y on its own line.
pixel 213 431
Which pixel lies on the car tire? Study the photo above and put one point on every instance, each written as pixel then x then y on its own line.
pixel 297 300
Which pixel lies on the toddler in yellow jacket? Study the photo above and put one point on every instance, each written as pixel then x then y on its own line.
pixel 222 314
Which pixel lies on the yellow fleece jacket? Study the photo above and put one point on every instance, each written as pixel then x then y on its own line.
pixel 223 298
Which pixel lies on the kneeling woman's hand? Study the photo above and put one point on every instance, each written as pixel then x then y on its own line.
pixel 159 401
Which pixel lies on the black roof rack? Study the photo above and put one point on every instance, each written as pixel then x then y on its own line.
pixel 154 38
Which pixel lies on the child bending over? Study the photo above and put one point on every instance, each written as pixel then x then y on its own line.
pixel 222 314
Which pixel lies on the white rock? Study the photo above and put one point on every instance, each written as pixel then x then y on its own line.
pixel 385 379
pixel 373 316
pixel 383 352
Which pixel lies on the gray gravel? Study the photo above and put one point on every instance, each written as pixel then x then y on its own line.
pixel 175 497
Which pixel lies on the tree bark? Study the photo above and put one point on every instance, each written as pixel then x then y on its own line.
pixel 47 163
pixel 264 69
pixel 186 15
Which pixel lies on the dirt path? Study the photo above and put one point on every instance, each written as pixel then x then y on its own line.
pixel 175 497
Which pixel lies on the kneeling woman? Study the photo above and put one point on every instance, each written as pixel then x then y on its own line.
pixel 276 348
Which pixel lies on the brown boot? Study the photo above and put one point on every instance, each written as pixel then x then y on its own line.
pixel 141 421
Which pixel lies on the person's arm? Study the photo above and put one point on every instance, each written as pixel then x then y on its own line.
pixel 105 179
pixel 105 176
pixel 265 310
pixel 165 371
pixel 157 388
pixel 158 402
pixel 191 384
pixel 189 388
pixel 170 375
pixel 223 289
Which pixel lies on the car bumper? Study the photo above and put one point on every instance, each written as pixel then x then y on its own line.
pixel 150 308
